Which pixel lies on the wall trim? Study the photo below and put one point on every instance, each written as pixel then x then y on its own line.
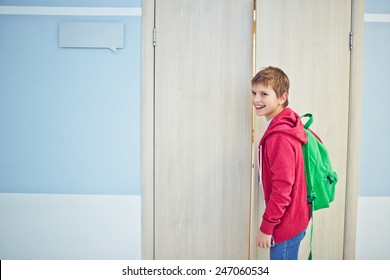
pixel 69 11
pixel 376 17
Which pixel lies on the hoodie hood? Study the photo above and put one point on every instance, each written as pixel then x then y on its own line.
pixel 286 122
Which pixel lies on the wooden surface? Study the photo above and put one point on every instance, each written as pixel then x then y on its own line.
pixel 200 199
pixel 309 40
pixel 202 129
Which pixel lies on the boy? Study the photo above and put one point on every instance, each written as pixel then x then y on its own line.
pixel 281 167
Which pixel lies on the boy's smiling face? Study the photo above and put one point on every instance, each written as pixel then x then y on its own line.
pixel 266 102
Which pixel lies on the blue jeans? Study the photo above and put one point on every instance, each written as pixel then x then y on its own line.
pixel 287 250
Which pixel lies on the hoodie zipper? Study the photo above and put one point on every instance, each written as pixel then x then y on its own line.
pixel 260 166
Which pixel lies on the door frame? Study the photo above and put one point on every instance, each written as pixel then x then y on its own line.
pixel 147 127
pixel 354 124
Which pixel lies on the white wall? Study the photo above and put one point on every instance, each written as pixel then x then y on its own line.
pixel 70 227
pixel 373 228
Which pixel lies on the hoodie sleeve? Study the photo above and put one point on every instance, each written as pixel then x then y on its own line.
pixel 280 155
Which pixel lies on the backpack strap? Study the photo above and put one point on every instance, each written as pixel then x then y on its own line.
pixel 311 233
pixel 310 121
pixel 306 125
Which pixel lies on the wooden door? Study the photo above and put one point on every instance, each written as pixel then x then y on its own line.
pixel 203 66
pixel 309 40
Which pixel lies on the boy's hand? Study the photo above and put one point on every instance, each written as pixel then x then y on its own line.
pixel 263 240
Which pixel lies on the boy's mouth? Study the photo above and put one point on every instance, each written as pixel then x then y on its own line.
pixel 259 106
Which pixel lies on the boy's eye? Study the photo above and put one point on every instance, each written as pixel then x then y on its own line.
pixel 264 94
pixel 253 93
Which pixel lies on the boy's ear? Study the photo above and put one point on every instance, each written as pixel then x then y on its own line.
pixel 283 98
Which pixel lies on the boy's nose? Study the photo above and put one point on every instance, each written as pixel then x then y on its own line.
pixel 256 98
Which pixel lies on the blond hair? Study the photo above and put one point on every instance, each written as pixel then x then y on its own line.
pixel 275 78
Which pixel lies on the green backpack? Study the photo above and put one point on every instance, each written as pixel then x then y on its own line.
pixel 320 178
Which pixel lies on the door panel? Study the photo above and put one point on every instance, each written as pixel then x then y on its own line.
pixel 309 40
pixel 203 65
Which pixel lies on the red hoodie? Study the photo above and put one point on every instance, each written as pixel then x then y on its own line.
pixel 287 211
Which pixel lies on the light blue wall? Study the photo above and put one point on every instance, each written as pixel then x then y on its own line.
pixel 377 6
pixel 375 133
pixel 69 118
pixel 70 130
